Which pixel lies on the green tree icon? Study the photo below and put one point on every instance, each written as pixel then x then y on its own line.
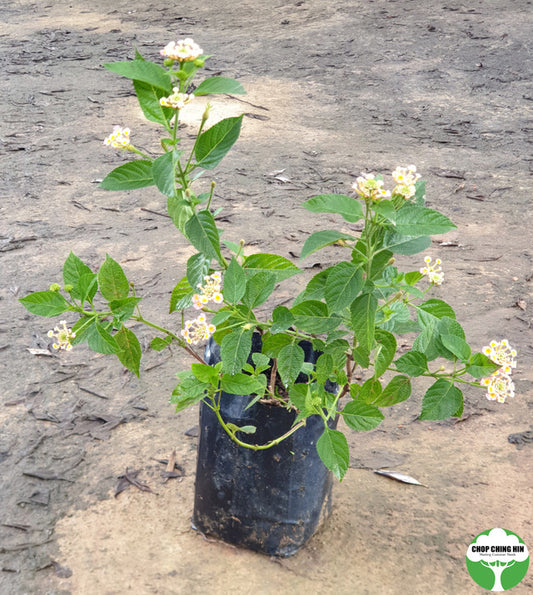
pixel 497 550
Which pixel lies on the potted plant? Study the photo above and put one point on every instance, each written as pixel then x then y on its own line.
pixel 277 394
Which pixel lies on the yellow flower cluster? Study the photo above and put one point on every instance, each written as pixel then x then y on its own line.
pixel 197 330
pixel 63 336
pixel 184 50
pixel 433 271
pixel 367 186
pixel 119 138
pixel 500 385
pixel 177 100
pixel 210 291
pixel 405 178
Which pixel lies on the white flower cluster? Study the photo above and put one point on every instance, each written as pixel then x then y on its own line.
pixel 63 336
pixel 210 291
pixel 367 186
pixel 433 271
pixel 405 178
pixel 500 384
pixel 177 100
pixel 197 330
pixel 184 50
pixel 119 138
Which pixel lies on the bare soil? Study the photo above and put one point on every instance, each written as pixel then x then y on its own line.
pixel 334 88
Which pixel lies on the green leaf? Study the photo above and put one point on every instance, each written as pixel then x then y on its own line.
pixel 179 210
pixel 158 344
pixel 149 96
pixel 235 349
pixel 279 266
pixel 442 400
pixel 290 361
pixel 413 363
pixel 413 220
pixel 437 309
pixel 197 269
pixel 181 297
pixel 316 288
pixel 100 340
pixel 324 367
pixel 213 144
pixel 282 319
pixel 123 308
pixel 363 315
pixel 361 416
pixel 129 176
pixel 258 289
pixel 385 352
pixel 401 244
pixel 459 347
pixel 112 281
pixel 45 303
pixel 189 391
pixel 272 344
pixel 202 232
pixel 344 283
pixel 73 269
pixel 219 84
pixel 313 316
pixel 480 366
pixel 234 282
pixel 82 327
pixel 349 208
pixel 396 391
pixel 87 287
pixel 369 391
pixel 332 448
pixel 321 239
pixel 164 173
pixel 129 350
pixel 206 373
pixel 144 71
pixel 241 384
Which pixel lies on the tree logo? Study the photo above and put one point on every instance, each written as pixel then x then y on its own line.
pixel 497 560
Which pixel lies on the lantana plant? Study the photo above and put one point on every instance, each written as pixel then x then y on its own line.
pixel 351 312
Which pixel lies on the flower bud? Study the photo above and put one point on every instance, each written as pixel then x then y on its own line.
pixel 55 287
pixel 168 62
pixel 68 288
pixel 199 62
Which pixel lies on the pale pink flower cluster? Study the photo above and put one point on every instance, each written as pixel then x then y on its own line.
pixel 210 291
pixel 119 138
pixel 197 330
pixel 405 178
pixel 433 271
pixel 63 336
pixel 367 186
pixel 184 50
pixel 177 100
pixel 500 384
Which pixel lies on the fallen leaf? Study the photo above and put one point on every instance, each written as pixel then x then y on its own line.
pixel 130 478
pixel 521 304
pixel 399 477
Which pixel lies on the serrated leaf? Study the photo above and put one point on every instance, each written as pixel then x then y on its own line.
pixel 129 350
pixel 442 400
pixel 129 176
pixel 282 319
pixel 280 267
pixel 73 269
pixel 45 303
pixel 290 361
pixel 363 315
pixel 197 269
pixel 87 287
pixel 361 416
pixel 202 232
pixel 347 207
pixel 181 297
pixel 344 282
pixel 123 308
pixel 396 391
pixel 158 343
pixel 164 173
pixel 149 96
pixel 234 282
pixel 213 144
pixel 100 340
pixel 321 239
pixel 241 384
pixel 205 373
pixel 407 245
pixel 144 71
pixel 219 84
pixel 316 288
pixel 259 287
pixel 179 210
pixel 235 349
pixel 385 352
pixel 313 317
pixel 480 366
pixel 112 281
pixel 413 363
pixel 272 344
pixel 413 220
pixel 189 391
pixel 333 450
pixel 459 347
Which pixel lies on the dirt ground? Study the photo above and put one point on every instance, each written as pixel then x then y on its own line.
pixel 335 87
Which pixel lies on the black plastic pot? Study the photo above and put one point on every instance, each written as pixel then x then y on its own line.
pixel 272 500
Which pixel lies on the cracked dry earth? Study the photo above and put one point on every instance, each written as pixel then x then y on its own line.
pixel 334 88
